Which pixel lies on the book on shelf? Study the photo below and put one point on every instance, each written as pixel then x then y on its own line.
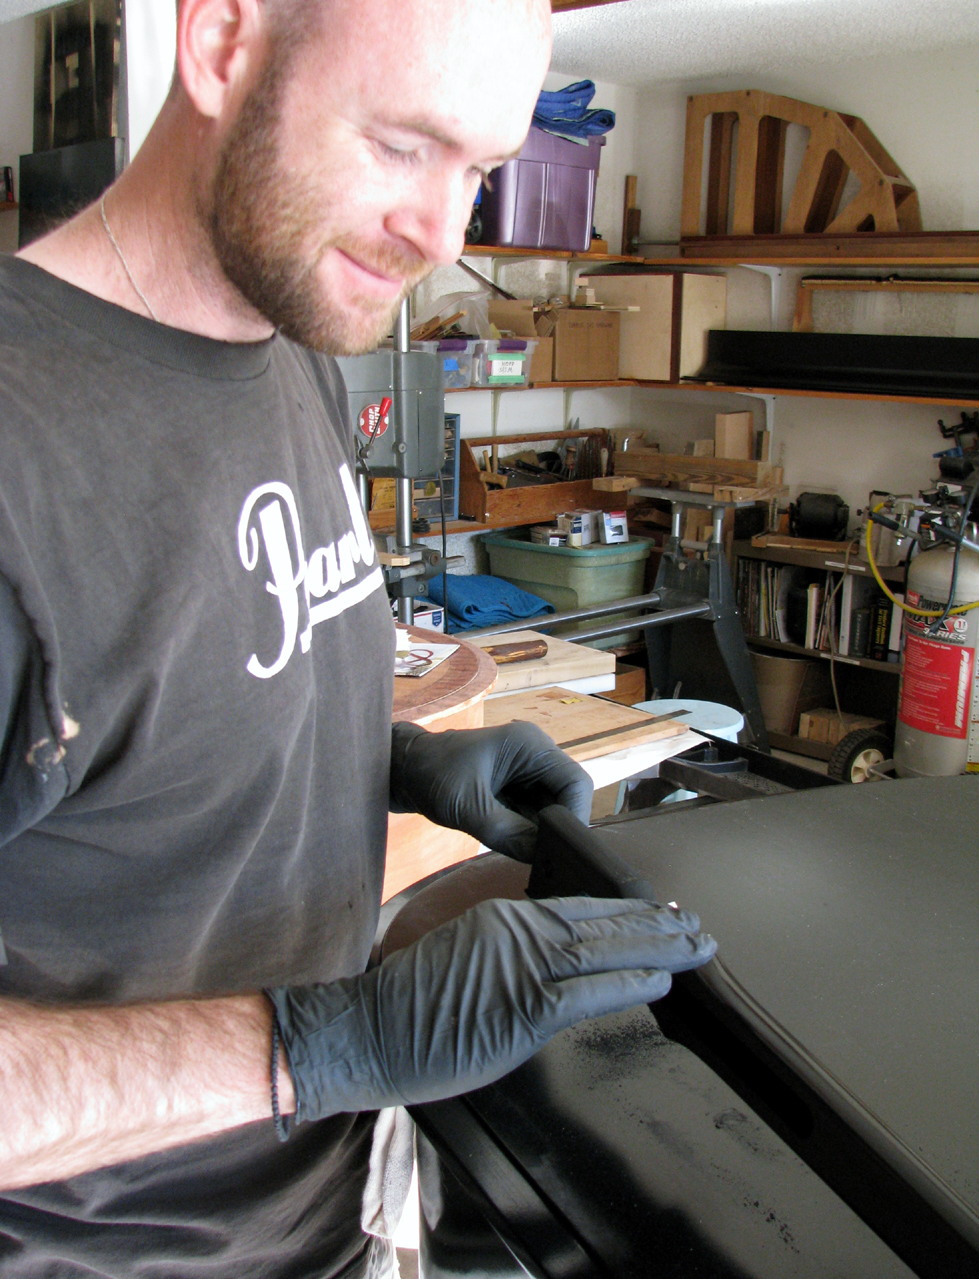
pixel 880 627
pixel 896 631
pixel 856 593
pixel 813 613
pixel 859 634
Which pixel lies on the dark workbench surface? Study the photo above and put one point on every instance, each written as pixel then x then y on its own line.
pixel 852 914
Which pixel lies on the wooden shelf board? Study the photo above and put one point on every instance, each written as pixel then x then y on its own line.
pixel 716 387
pixel 797 650
pixel 9 206
pixel 922 248
pixel 815 559
pixel 812 393
pixel 799 745
pixel 558 255
pixel 853 260
pixel 547 386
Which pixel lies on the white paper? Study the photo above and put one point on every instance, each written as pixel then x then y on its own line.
pixel 421 658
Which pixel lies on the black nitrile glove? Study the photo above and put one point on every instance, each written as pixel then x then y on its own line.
pixel 465 1004
pixel 459 778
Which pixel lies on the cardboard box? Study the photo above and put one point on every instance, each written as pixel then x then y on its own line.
pixel 431 616
pixel 666 339
pixel 734 436
pixel 517 317
pixel 614 527
pixel 542 363
pixel 824 725
pixel 630 685
pixel 582 527
pixel 586 345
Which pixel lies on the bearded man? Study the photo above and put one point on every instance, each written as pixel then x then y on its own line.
pixel 195 689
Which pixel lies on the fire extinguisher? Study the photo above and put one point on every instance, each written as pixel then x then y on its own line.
pixel 937 731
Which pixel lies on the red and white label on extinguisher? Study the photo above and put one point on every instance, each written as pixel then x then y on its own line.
pixel 936 691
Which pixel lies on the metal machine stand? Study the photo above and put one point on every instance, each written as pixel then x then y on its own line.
pixel 687 591
pixel 397 405
pixel 683 581
pixel 402 492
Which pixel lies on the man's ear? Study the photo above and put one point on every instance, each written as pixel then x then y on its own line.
pixel 217 42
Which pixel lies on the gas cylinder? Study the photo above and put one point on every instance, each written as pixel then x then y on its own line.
pixel 937 733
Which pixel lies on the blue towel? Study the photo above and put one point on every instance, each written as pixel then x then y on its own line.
pixel 565 112
pixel 480 600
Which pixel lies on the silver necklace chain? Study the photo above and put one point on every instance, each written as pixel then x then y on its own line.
pixel 125 265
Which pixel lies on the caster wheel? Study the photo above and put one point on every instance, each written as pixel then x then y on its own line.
pixel 857 753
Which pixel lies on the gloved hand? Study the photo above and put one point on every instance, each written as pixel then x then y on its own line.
pixel 465 1004
pixel 459 778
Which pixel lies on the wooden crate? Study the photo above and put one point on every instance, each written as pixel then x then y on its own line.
pixel 659 469
pixel 488 504
pixel 666 339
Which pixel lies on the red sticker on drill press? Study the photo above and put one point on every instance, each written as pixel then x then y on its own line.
pixel 368 420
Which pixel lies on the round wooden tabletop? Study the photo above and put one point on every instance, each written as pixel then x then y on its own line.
pixel 457 683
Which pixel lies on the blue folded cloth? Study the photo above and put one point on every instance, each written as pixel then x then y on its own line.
pixel 479 600
pixel 565 111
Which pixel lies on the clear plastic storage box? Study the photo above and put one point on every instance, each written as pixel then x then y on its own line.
pixel 457 359
pixel 503 363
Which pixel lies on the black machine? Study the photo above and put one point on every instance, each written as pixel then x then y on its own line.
pixel 805 1105
pixel 820 515
pixel 57 184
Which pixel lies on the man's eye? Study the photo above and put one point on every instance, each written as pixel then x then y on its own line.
pixel 397 155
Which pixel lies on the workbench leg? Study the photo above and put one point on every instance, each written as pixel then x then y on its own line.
pixel 455 1238
pixel 737 659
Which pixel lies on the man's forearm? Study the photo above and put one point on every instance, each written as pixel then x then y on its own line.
pixel 85 1087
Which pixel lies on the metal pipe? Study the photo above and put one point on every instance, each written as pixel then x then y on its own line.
pixel 402 327
pixel 676 519
pixel 547 620
pixel 640 623
pixel 402 488
pixel 717 518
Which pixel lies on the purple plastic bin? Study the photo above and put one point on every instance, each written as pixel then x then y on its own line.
pixel 545 198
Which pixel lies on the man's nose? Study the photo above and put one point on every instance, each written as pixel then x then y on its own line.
pixel 434 220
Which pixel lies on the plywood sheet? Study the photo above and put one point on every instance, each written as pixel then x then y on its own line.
pixel 563 662
pixel 567 717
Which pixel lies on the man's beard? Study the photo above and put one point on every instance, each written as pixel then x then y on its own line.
pixel 267 227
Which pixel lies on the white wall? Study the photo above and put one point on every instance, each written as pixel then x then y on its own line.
pixel 925 110
pixel 151 43
pixel 16 110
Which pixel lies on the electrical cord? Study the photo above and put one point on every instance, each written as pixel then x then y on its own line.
pixel 937 624
pixel 906 608
pixel 832 641
pixel 445 572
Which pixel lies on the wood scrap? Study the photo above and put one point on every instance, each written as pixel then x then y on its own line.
pixel 569 717
pixel 436 327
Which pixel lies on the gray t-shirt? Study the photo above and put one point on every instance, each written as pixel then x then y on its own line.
pixel 195 701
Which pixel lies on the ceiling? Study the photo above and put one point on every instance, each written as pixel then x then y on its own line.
pixel 646 41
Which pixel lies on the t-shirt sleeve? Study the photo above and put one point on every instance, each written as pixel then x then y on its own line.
pixel 32 774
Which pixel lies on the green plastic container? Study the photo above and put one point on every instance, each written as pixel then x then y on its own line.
pixel 570 578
